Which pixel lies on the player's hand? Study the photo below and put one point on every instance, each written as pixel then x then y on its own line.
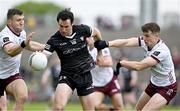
pixel 101 44
pixel 118 65
pixel 29 38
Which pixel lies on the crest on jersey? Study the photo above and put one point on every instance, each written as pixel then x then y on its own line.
pixel 73 41
pixel 82 38
pixel 156 53
pixel 5 39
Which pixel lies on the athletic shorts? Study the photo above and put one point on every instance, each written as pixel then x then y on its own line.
pixel 127 89
pixel 168 92
pixel 81 82
pixel 5 82
pixel 111 88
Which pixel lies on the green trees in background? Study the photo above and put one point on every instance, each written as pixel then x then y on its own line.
pixel 39 13
pixel 39 8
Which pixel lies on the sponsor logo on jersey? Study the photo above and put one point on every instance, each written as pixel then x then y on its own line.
pixel 73 49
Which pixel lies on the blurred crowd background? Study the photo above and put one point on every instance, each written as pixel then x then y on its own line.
pixel 41 18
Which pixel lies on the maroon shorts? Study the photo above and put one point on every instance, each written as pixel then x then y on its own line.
pixel 111 88
pixel 5 82
pixel 168 92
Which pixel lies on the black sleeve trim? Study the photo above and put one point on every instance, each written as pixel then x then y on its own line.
pixel 139 40
pixel 155 58
pixel 6 43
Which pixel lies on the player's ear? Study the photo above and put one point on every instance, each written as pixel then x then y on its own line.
pixel 8 21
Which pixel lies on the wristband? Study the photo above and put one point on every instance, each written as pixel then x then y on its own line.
pixel 23 45
pixel 118 65
pixel 107 43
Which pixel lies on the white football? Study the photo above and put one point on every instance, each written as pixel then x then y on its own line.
pixel 37 61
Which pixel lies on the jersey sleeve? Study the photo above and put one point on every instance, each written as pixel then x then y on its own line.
pixel 49 46
pixel 141 41
pixel 159 55
pixel 5 40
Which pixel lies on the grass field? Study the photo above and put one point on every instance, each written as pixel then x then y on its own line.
pixel 42 106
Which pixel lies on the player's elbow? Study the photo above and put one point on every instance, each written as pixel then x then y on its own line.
pixel 138 69
pixel 105 63
pixel 10 53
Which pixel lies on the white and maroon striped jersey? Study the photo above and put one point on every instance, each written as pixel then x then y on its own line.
pixel 101 75
pixel 9 65
pixel 162 74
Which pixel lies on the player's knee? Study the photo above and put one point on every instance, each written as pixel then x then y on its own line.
pixel 22 98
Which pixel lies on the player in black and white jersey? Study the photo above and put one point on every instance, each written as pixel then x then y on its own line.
pixel 163 86
pixel 12 42
pixel 70 44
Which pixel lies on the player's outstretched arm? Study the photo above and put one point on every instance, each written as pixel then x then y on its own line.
pixel 32 45
pixel 131 42
pixel 139 65
pixel 35 46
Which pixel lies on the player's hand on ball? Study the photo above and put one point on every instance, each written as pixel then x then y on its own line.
pixel 101 44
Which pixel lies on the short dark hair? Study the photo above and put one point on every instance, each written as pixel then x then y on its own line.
pixel 12 12
pixel 65 14
pixel 153 27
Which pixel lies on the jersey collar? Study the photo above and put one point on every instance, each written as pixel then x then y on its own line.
pixel 70 37
pixel 157 44
pixel 13 31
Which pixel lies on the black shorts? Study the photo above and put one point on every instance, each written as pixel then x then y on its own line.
pixel 82 82
pixel 127 89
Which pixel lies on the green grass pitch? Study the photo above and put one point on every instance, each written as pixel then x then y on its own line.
pixel 43 106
